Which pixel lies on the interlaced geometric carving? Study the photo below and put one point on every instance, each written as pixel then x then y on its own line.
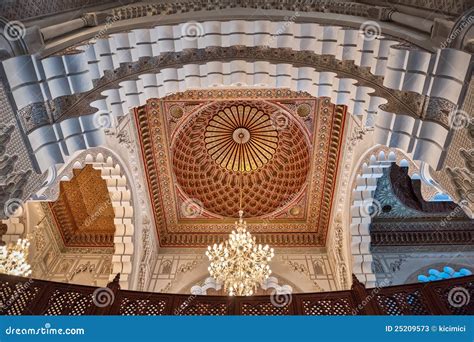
pixel 337 307
pixel 203 309
pixel 15 299
pixel 20 296
pixel 264 309
pixel 402 303
pixel 69 303
pixel 146 307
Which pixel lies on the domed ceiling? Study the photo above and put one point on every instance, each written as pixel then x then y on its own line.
pixel 274 151
pixel 236 147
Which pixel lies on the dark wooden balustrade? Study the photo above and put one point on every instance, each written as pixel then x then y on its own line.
pixel 24 296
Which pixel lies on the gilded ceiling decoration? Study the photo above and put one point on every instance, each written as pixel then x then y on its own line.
pixel 83 212
pixel 281 147
pixel 226 138
pixel 241 138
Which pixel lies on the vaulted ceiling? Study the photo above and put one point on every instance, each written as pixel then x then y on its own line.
pixel 274 151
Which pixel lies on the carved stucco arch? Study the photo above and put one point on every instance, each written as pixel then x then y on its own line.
pixel 403 69
pixel 369 170
pixel 120 192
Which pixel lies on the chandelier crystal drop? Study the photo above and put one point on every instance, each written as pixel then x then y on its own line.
pixel 239 263
pixel 13 258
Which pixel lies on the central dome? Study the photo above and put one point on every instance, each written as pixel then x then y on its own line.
pixel 241 138
pixel 231 144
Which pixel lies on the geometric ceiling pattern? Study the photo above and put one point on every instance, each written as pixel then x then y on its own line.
pixel 241 138
pixel 241 151
pixel 272 152
pixel 83 212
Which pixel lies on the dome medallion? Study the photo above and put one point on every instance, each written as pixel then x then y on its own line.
pixel 241 138
pixel 234 147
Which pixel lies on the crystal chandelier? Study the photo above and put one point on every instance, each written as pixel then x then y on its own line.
pixel 13 258
pixel 239 263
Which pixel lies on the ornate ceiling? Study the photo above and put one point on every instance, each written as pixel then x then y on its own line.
pixel 233 145
pixel 83 212
pixel 276 149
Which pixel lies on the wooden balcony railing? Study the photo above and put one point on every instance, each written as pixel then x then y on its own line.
pixel 23 296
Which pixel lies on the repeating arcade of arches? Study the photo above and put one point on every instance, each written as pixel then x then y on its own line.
pixel 35 81
pixel 404 69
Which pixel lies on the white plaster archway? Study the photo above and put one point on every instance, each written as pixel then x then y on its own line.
pixel 440 74
pixel 408 69
pixel 55 143
pixel 121 200
pixel 362 199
